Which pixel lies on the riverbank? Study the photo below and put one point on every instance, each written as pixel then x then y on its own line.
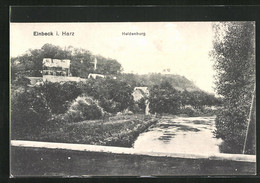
pixel 119 131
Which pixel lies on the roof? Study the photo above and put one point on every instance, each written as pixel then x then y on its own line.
pixel 140 92
pixel 144 90
pixel 48 62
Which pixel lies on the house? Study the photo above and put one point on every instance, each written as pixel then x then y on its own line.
pixel 94 76
pixel 56 67
pixel 55 70
pixel 139 93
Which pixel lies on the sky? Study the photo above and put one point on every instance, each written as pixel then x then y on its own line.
pixel 181 47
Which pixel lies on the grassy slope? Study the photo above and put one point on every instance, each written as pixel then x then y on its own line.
pixel 177 81
pixel 118 131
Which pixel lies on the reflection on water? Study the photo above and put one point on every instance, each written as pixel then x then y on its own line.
pixel 180 135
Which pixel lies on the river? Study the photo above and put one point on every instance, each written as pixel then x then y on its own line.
pixel 192 135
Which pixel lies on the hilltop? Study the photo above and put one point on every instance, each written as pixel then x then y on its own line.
pixel 180 83
pixel 30 64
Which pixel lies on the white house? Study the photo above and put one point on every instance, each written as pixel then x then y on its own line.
pixel 56 67
pixel 94 76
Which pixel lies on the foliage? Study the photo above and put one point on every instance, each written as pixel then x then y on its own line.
pixel 149 80
pixel 188 93
pixel 234 57
pixel 164 99
pixel 83 108
pixel 199 99
pixel 20 82
pixel 116 132
pixel 59 95
pixel 82 62
pixel 139 106
pixel 107 66
pixel 114 95
pixel 189 111
pixel 29 114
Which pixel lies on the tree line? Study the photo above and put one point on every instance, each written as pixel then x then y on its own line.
pixel 234 58
pixel 41 107
pixel 164 98
pixel 82 62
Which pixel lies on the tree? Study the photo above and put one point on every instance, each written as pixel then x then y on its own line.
pixel 114 95
pixel 185 98
pixel 131 79
pixel 164 99
pixel 108 66
pixel 30 114
pixel 82 61
pixel 59 95
pixel 234 57
pixel 83 108
pixel 21 82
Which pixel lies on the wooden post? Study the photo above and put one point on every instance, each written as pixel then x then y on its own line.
pixel 250 117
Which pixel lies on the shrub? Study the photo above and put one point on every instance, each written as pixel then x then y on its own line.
pixel 189 111
pixel 59 95
pixel 164 99
pixel 21 81
pixel 83 108
pixel 139 106
pixel 231 126
pixel 29 114
pixel 114 95
pixel 209 111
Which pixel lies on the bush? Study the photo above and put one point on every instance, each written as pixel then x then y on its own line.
pixel 209 111
pixel 114 95
pixel 189 111
pixel 59 95
pixel 29 114
pixel 164 99
pixel 139 106
pixel 21 81
pixel 83 108
pixel 231 125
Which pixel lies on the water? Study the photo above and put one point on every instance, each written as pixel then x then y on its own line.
pixel 192 135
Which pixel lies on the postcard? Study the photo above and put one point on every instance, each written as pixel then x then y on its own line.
pixel 132 98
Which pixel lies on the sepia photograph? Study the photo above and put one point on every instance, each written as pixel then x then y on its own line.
pixel 132 99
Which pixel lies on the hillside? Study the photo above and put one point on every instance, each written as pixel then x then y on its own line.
pixel 178 82
pixel 30 64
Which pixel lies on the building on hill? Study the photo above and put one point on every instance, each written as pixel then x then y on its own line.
pixel 166 71
pixel 56 67
pixel 94 76
pixel 55 70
